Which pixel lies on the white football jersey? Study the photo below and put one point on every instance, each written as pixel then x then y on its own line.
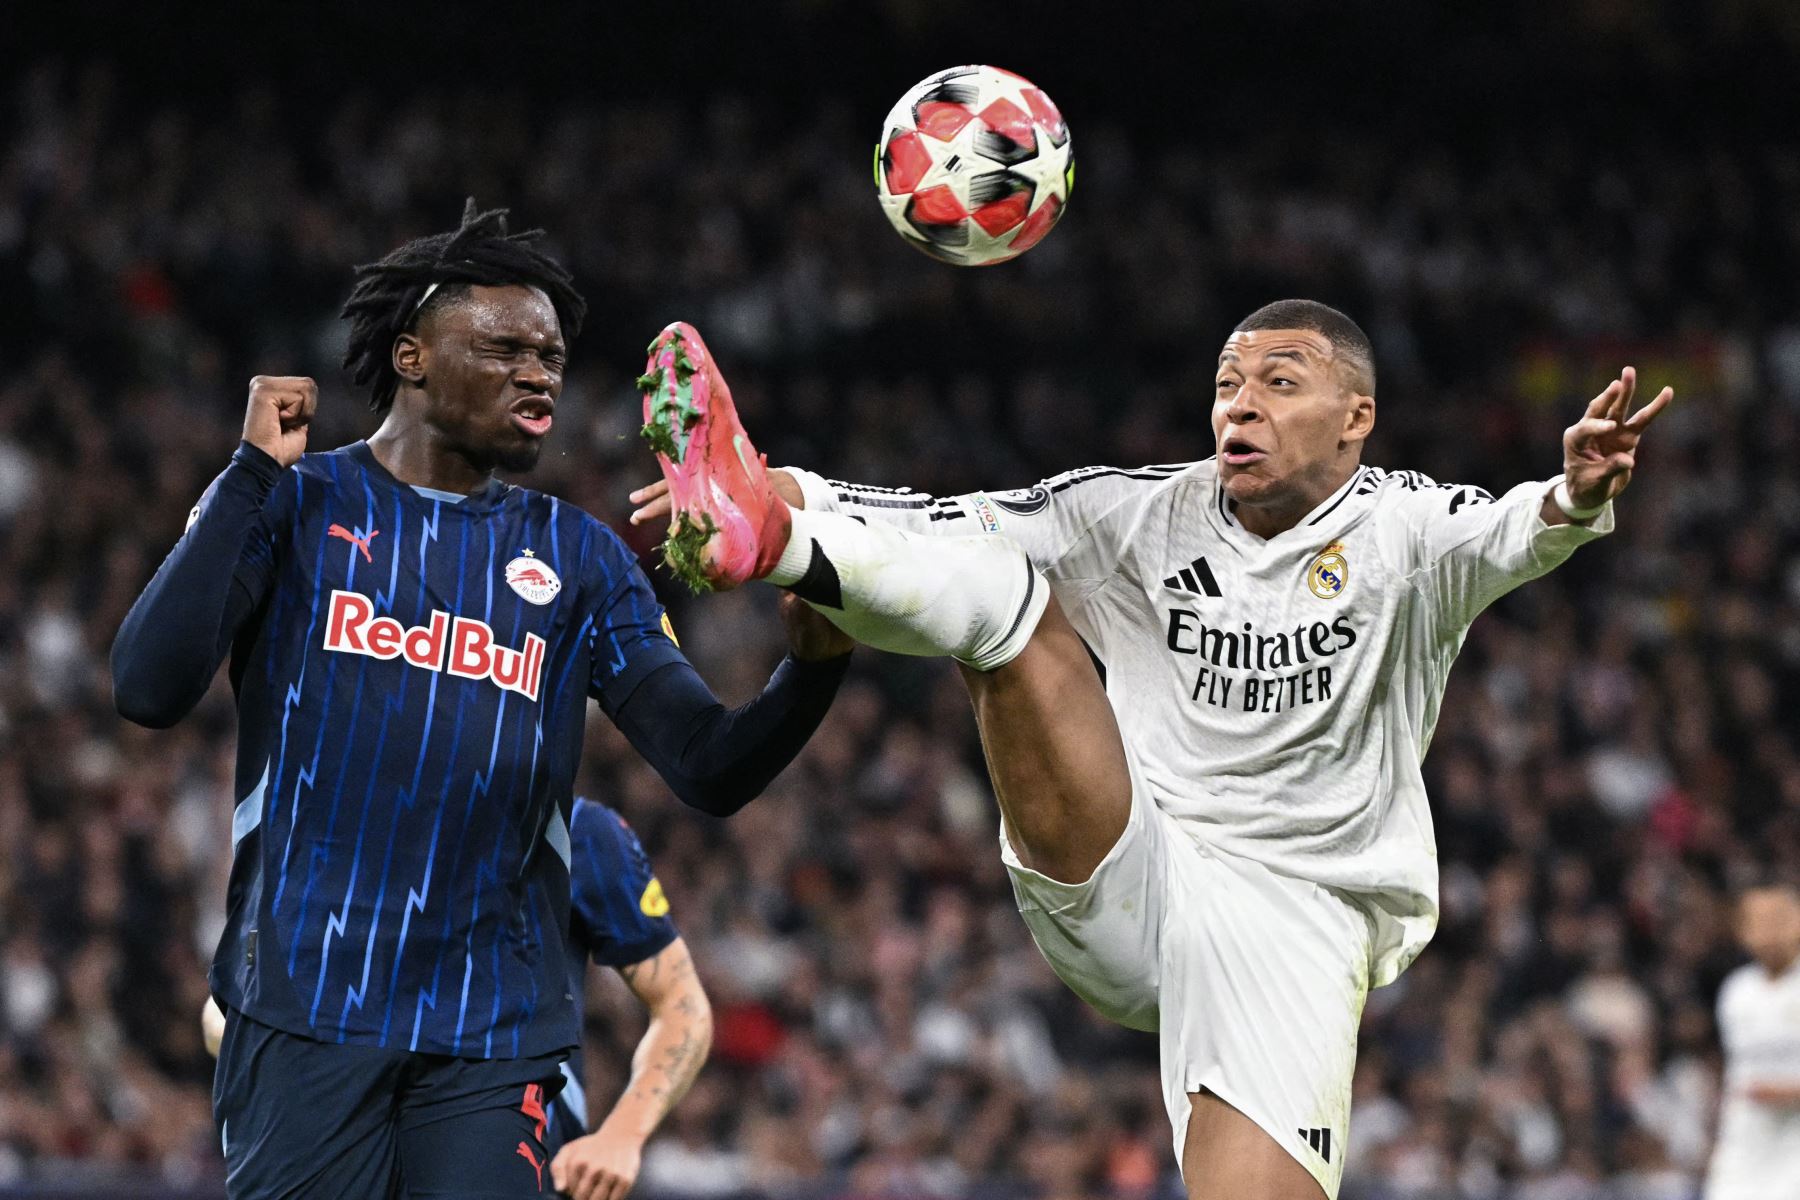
pixel 1279 695
pixel 1757 1155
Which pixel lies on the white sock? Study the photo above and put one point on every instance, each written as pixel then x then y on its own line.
pixel 976 599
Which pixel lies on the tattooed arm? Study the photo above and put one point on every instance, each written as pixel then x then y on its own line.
pixel 604 1164
pixel 677 1042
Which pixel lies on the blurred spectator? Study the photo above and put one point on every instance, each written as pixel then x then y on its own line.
pixel 1616 751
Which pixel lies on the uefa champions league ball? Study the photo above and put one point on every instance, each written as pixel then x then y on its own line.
pixel 974 166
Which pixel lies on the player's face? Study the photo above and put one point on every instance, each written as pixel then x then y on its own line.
pixel 1769 926
pixel 1284 421
pixel 493 365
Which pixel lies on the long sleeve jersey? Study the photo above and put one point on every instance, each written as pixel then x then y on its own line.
pixel 412 673
pixel 1279 694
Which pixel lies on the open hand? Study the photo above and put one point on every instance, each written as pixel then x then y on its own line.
pixel 653 499
pixel 1600 450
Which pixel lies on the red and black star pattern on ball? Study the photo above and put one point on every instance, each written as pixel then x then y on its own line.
pixel 934 177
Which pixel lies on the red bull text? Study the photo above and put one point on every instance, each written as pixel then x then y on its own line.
pixel 460 646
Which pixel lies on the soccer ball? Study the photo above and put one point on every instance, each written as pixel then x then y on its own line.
pixel 975 166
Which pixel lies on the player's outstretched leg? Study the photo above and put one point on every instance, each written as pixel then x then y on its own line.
pixel 975 599
pixel 1091 866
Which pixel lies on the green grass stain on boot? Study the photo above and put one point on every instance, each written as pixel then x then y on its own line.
pixel 684 366
pixel 661 440
pixel 684 550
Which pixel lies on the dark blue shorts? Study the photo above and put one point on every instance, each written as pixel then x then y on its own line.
pixel 304 1118
pixel 567 1115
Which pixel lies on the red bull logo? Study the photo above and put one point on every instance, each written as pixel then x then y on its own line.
pixel 532 578
pixel 461 646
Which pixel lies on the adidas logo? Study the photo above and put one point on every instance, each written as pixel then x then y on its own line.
pixel 1320 1140
pixel 1196 577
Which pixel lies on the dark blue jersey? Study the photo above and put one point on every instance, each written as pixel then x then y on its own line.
pixel 412 672
pixel 412 682
pixel 619 916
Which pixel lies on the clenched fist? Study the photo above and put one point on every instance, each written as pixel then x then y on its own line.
pixel 280 410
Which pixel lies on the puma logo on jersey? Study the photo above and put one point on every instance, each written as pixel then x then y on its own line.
pixel 360 541
pixel 1196 577
pixel 1319 1140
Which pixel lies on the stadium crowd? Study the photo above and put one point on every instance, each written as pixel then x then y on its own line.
pixel 1616 752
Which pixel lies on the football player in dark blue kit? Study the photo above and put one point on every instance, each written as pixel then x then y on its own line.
pixel 412 645
pixel 621 920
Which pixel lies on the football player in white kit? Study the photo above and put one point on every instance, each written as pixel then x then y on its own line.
pixel 1757 1155
pixel 1228 841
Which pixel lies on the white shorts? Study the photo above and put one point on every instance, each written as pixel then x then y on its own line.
pixel 1255 981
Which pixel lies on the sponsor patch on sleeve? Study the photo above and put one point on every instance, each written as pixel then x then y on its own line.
pixel 986 513
pixel 653 903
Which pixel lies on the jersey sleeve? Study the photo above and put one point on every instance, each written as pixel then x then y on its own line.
pixel 618 911
pixel 630 631
pixel 179 630
pixel 1072 526
pixel 1464 548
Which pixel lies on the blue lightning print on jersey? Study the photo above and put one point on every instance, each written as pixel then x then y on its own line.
pixel 419 720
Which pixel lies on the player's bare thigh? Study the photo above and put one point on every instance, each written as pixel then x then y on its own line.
pixel 1054 752
pixel 1227 1156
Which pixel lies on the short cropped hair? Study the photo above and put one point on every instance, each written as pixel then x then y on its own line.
pixel 1348 341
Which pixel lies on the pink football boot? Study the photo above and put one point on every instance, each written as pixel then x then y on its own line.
pixel 727 525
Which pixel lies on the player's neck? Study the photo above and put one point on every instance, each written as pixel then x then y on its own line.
pixel 1776 969
pixel 413 453
pixel 1271 519
pixel 1267 522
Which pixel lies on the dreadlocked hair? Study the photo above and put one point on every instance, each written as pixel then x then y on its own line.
pixel 389 295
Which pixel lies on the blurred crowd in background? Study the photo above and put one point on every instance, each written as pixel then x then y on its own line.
pixel 1617 750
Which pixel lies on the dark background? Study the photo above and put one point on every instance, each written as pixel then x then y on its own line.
pixel 1515 201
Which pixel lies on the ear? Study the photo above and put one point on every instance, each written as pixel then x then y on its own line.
pixel 1359 419
pixel 409 358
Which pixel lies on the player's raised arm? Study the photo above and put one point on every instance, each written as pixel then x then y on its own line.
pixel 1467 548
pixel 181 627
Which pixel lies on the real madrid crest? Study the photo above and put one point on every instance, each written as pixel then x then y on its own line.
pixel 1329 572
pixel 532 579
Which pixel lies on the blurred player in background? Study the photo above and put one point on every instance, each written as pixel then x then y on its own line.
pixel 1757 1155
pixel 620 920
pixel 413 644
pixel 1237 846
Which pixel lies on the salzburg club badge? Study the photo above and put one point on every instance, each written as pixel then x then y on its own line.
pixel 532 579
